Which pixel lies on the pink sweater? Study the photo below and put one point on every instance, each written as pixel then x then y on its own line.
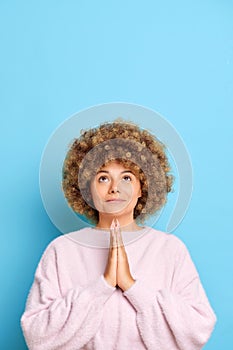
pixel 71 306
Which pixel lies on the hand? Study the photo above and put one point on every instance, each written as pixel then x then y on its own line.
pixel 110 273
pixel 117 271
pixel 124 277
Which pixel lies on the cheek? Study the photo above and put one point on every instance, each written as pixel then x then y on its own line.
pixel 130 191
pixel 97 190
pixel 125 188
pixel 137 190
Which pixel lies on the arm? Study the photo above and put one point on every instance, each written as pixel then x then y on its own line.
pixel 55 321
pixel 177 318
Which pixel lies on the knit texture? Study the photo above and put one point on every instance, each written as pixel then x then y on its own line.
pixel 71 306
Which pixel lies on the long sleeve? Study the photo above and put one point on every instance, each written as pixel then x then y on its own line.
pixel 55 321
pixel 174 318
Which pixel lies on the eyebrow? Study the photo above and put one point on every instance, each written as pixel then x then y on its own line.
pixel 107 172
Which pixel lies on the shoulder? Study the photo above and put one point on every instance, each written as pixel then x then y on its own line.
pixel 168 244
pixel 64 242
pixel 174 249
pixel 165 238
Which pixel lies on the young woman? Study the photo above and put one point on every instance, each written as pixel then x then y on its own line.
pixel 117 285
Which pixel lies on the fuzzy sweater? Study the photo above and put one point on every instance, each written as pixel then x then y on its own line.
pixel 71 306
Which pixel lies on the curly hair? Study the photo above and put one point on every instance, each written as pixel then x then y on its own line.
pixel 134 148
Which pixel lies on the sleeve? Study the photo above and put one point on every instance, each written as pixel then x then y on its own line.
pixel 55 321
pixel 178 318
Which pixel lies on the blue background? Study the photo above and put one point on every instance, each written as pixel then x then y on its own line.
pixel 59 57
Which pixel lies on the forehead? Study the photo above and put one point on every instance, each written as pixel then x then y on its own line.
pixel 114 166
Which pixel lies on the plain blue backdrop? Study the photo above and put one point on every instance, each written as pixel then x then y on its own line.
pixel 59 57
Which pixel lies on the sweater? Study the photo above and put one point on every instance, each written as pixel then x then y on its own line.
pixel 71 306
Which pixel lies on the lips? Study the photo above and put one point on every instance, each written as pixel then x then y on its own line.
pixel 115 200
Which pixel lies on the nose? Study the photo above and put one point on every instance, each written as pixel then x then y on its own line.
pixel 113 188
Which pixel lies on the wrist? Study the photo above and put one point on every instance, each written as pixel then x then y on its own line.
pixel 109 281
pixel 128 284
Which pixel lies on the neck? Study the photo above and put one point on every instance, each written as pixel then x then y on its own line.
pixel 127 224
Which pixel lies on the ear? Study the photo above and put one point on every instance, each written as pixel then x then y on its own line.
pixel 139 193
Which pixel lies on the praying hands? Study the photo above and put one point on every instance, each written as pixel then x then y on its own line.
pixel 117 271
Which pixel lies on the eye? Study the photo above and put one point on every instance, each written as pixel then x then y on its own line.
pixel 102 179
pixel 127 178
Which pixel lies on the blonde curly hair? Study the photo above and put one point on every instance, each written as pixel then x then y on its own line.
pixel 136 149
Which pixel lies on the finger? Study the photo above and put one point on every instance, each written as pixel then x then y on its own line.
pixel 113 238
pixel 118 234
pixel 120 243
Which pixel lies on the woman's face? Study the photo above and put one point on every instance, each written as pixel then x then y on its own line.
pixel 115 190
